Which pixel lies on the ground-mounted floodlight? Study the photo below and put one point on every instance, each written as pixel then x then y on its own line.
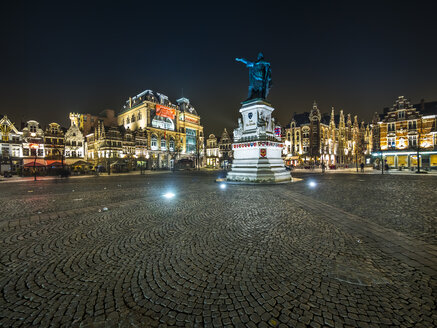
pixel 169 195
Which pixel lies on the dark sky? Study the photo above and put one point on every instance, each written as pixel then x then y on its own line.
pixel 356 56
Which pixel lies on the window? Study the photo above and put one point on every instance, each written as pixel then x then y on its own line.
pixel 133 118
pixel 154 143
pixel 163 144
pixel 67 153
pixel 412 125
pixel 412 141
pixel 32 128
pixel 401 114
pixel 306 134
pixel 391 141
pixel 171 144
pixel 305 149
pixel 163 123
pixel 190 140
pixel 391 127
pixel 139 116
pixel 26 152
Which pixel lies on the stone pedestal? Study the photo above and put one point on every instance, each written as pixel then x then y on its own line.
pixel 257 149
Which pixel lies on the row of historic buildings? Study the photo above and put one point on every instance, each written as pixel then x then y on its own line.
pixel 340 140
pixel 405 135
pixel 149 131
pixel 219 151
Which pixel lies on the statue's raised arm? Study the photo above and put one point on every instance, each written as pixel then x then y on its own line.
pixel 244 61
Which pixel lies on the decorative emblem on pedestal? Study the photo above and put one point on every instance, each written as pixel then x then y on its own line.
pixel 250 115
pixel 263 152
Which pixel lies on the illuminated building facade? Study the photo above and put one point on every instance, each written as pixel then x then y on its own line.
pixel 33 145
pixel 54 144
pixel 212 152
pixel 173 131
pixel 219 152
pixel 74 143
pixel 11 150
pixel 334 140
pixel 404 130
pixel 104 146
pixel 225 150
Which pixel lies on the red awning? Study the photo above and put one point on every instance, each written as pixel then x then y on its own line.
pixel 29 162
pixel 53 163
pixel 34 165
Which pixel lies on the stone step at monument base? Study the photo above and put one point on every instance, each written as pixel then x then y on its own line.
pixel 258 170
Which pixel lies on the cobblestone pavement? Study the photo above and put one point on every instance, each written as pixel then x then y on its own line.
pixel 244 256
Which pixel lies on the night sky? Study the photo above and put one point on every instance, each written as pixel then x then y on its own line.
pixel 82 57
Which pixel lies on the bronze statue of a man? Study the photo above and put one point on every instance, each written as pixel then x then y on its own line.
pixel 260 77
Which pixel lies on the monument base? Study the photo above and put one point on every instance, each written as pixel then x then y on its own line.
pixel 258 171
pixel 258 162
pixel 257 146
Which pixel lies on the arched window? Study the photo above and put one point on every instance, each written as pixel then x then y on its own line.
pixel 163 123
pixel 133 118
pixel 163 144
pixel 139 116
pixel 171 145
pixel 154 142
pixel 127 120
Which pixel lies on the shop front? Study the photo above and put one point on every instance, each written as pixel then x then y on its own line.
pixel 406 160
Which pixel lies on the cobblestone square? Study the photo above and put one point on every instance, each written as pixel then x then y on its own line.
pixel 346 251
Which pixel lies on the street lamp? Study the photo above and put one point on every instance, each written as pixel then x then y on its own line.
pixel 34 147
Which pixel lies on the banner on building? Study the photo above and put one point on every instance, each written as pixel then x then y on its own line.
pixel 192 120
pixel 164 111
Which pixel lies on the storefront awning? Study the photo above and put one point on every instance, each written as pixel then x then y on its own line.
pixel 29 162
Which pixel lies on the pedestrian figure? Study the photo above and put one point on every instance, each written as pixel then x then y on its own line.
pixel 362 167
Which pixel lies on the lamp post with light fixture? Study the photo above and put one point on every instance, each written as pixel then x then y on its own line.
pixel 34 147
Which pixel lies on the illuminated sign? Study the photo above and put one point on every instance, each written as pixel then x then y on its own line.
pixel 164 111
pixel 192 120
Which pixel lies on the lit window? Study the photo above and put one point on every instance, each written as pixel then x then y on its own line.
pixel 412 140
pixel 163 144
pixel 154 143
pixel 412 125
pixel 391 142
